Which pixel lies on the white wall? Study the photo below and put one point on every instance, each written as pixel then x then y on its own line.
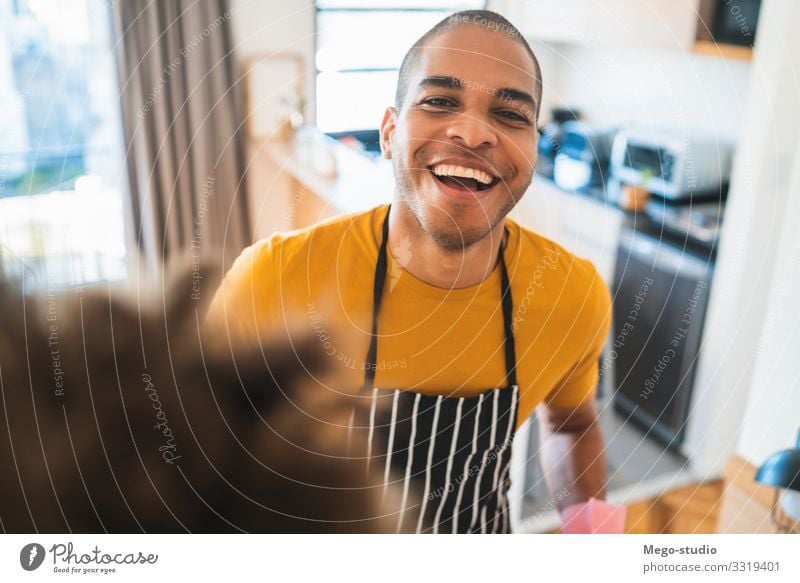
pixel 653 88
pixel 772 417
pixel 748 395
pixel 264 27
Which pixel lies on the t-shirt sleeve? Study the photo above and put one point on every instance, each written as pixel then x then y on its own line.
pixel 241 306
pixel 579 383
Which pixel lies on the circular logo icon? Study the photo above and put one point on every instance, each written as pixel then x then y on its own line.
pixel 31 556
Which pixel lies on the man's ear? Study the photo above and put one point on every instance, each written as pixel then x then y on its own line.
pixel 388 125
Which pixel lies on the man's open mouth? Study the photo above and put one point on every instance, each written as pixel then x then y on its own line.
pixel 462 177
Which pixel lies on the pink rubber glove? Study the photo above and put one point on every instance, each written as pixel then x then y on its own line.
pixel 593 517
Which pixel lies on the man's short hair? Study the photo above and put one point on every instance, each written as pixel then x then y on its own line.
pixel 485 18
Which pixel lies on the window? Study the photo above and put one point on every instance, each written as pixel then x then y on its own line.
pixel 61 147
pixel 360 46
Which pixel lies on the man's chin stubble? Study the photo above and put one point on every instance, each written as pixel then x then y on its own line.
pixel 451 238
pixel 448 236
pixel 459 241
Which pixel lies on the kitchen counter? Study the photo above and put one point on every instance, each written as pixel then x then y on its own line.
pixel 340 177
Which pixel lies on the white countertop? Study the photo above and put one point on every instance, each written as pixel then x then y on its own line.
pixel 358 183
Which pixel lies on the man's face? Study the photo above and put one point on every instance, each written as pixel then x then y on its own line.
pixel 463 145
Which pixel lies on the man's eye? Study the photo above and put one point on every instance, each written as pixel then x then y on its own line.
pixel 512 116
pixel 438 102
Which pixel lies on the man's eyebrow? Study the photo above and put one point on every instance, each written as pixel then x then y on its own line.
pixel 441 81
pixel 448 82
pixel 510 94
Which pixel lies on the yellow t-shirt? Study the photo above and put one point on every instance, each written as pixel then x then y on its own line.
pixel 431 340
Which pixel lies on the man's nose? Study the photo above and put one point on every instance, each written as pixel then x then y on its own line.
pixel 472 131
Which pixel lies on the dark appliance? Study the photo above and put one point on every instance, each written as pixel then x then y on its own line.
pixel 370 140
pixel 661 290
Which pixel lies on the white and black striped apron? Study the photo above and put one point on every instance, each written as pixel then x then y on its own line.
pixel 450 453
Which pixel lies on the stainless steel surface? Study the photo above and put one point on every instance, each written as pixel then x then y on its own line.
pixel 669 164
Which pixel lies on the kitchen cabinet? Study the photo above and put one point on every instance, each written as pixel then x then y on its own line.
pixel 586 226
pixel 654 24
pixel 717 19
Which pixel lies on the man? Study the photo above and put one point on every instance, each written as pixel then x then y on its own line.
pixel 452 320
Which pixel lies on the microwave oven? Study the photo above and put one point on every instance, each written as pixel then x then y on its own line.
pixel 672 166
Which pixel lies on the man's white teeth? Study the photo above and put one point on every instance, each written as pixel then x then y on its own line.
pixel 462 172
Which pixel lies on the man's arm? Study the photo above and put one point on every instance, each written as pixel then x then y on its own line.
pixel 573 453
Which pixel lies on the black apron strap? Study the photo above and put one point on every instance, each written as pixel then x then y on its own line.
pixel 381 267
pixel 377 294
pixel 508 308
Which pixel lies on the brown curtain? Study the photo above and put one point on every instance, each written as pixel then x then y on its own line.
pixel 182 116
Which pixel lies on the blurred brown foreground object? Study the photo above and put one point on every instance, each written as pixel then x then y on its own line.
pixel 121 418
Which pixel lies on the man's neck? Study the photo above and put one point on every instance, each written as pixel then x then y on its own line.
pixel 423 258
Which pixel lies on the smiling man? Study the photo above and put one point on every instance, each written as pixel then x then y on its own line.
pixel 450 319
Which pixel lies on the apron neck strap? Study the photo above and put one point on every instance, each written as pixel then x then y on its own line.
pixel 381 267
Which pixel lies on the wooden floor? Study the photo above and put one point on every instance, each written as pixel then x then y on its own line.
pixel 692 509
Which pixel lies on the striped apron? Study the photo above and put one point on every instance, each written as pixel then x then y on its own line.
pixel 451 453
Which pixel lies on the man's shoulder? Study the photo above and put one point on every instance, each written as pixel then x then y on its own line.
pixel 322 237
